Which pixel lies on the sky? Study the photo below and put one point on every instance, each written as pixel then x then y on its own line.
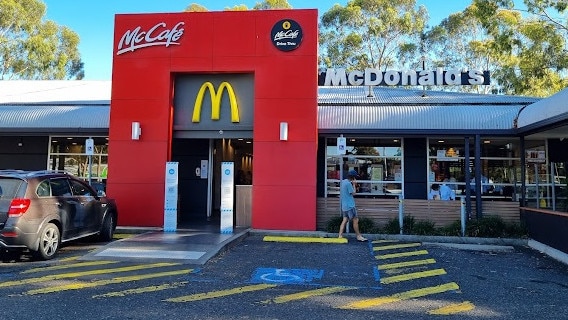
pixel 94 20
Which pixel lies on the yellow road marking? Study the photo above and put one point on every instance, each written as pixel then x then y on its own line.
pixel 83 273
pixel 413 276
pixel 123 293
pixel 384 241
pixel 368 303
pixel 83 285
pixel 307 294
pixel 68 266
pixel 123 235
pixel 406 264
pixel 220 293
pixel 304 239
pixel 401 254
pixel 453 308
pixel 397 246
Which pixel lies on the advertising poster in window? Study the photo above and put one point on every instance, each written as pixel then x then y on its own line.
pixel 535 156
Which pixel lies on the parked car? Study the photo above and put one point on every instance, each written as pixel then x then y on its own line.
pixel 39 210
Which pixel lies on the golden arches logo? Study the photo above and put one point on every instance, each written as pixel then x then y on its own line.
pixel 216 96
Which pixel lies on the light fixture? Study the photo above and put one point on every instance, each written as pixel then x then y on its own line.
pixel 136 131
pixel 487 141
pixel 441 141
pixel 21 142
pixel 283 131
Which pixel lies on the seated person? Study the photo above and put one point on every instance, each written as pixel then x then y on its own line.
pixel 434 193
pixel 446 193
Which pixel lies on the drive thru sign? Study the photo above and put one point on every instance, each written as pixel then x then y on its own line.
pixel 341 145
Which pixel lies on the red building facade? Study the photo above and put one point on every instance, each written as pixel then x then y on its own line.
pixel 277 49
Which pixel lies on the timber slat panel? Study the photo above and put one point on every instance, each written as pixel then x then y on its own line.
pixel 441 213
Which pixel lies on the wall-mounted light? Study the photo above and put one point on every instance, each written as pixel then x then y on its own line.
pixel 21 142
pixel 136 131
pixel 284 131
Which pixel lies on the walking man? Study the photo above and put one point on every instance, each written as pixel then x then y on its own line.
pixel 348 210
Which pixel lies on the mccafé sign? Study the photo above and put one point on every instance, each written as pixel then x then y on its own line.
pixel 216 96
pixel 375 77
pixel 158 35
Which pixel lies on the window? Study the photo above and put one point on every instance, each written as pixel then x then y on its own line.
pixel 68 154
pixel 378 162
pixel 80 189
pixel 60 187
pixel 43 189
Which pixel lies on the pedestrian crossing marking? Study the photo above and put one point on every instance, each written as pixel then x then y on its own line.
pixel 69 266
pixel 84 273
pixel 413 276
pixel 453 308
pixel 396 246
pixel 83 285
pixel 406 264
pixel 401 254
pixel 417 293
pixel 307 294
pixel 124 293
pixel 220 293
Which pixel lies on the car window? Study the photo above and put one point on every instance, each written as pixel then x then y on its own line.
pixel 80 189
pixel 60 187
pixel 9 187
pixel 43 189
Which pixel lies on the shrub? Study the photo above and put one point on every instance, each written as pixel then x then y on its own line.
pixel 424 228
pixel 366 225
pixel 489 226
pixel 393 227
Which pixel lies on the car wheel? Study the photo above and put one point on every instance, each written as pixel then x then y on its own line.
pixel 49 240
pixel 107 229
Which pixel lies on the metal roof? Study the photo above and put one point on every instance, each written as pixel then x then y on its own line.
pixel 546 111
pixel 67 118
pixel 383 108
pixel 55 92
pixel 85 105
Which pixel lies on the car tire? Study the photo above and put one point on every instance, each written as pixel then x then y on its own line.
pixel 107 229
pixel 49 241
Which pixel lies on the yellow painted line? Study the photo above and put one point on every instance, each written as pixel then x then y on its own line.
pixel 221 293
pixel 122 235
pixel 401 254
pixel 369 303
pixel 397 246
pixel 83 273
pixel 304 239
pixel 406 264
pixel 84 285
pixel 307 294
pixel 124 293
pixel 384 241
pixel 413 276
pixel 453 308
pixel 69 266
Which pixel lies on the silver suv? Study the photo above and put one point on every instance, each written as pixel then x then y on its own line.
pixel 41 209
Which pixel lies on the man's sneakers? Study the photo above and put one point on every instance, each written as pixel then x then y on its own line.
pixel 361 239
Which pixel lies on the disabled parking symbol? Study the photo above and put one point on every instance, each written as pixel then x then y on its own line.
pixel 285 276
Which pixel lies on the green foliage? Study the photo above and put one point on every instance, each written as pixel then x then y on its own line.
pixel 34 49
pixel 393 226
pixel 489 226
pixel 424 228
pixel 370 33
pixel 366 225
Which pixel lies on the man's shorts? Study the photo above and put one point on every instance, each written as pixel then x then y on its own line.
pixel 351 213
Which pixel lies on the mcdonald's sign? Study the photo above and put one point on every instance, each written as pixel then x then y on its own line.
pixel 216 96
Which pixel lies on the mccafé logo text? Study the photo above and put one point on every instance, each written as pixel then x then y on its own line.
pixel 375 77
pixel 216 96
pixel 157 35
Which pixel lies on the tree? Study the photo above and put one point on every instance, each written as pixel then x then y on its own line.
pixel 272 4
pixel 194 7
pixel 526 55
pixel 31 48
pixel 370 33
